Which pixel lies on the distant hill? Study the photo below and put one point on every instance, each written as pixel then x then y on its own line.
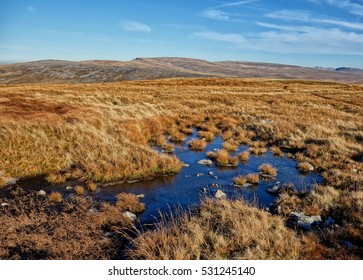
pixel 92 71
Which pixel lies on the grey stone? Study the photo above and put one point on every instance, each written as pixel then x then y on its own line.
pixel 141 195
pixel 220 195
pixel 11 181
pixel 205 162
pixel 199 174
pixel 69 188
pixel 42 192
pixel 131 216
pixel 305 222
pixel 185 164
pixel 275 189
pixel 210 173
pixel 4 204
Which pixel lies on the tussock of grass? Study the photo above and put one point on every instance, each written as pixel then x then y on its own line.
pixel 240 180
pixel 56 178
pixel 222 229
pixel 230 146
pixel 92 187
pixel 167 147
pixel 208 136
pixel 244 156
pixel 222 157
pixel 304 166
pixel 258 151
pixel 253 178
pixel 197 144
pixel 276 151
pixel 268 169
pixel 55 197
pixel 211 155
pixel 129 202
pixel 79 190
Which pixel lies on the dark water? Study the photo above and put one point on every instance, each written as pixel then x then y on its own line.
pixel 186 189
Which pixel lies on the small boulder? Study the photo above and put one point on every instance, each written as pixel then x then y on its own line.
pixel 303 221
pixel 69 188
pixel 275 189
pixel 131 216
pixel 210 173
pixel 42 193
pixel 205 162
pixel 199 174
pixel 220 195
pixel 185 164
pixel 4 204
pixel 141 195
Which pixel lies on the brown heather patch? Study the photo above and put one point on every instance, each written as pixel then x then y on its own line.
pixel 222 157
pixel 34 227
pixel 253 178
pixel 222 229
pixel 276 151
pixel 168 147
pixel 197 144
pixel 240 180
pixel 258 151
pixel 92 187
pixel 230 146
pixel 303 166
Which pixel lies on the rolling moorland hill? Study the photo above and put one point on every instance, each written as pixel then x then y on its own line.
pixel 92 71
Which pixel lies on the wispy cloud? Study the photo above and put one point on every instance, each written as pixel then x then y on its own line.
pixel 306 16
pixel 135 26
pixel 216 15
pixel 236 3
pixel 222 37
pixel 31 9
pixel 350 6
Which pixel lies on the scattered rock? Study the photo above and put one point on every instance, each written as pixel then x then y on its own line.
pixel 199 174
pixel 205 162
pixel 93 210
pixel 69 188
pixel 220 195
pixel 141 195
pixel 4 204
pixel 275 189
pixel 210 173
pixel 215 177
pixel 109 233
pixel 42 193
pixel 245 185
pixel 130 216
pixel 303 221
pixel 215 185
pixel 215 149
pixel 185 164
pixel 132 181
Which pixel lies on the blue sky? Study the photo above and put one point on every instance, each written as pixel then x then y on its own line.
pixel 327 33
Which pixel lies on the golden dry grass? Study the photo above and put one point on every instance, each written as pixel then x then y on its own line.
pixel 104 132
pixel 268 169
pixel 222 229
pixel 197 144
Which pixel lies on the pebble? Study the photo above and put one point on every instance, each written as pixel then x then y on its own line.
pixel 42 192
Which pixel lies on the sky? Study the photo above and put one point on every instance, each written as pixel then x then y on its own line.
pixel 324 33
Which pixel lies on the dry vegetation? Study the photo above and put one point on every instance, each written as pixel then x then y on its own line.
pixel 34 227
pixel 105 132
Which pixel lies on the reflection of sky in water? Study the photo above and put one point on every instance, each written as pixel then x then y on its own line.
pixel 185 188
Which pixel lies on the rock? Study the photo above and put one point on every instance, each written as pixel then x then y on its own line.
pixel 210 173
pixel 109 233
pixel 329 222
pixel 245 185
pixel 199 174
pixel 69 188
pixel 215 149
pixel 42 193
pixel 275 189
pixel 4 204
pixel 215 177
pixel 11 181
pixel 204 190
pixel 185 164
pixel 131 216
pixel 132 181
pixel 220 195
pixel 305 222
pixel 215 185
pixel 355 170
pixel 141 195
pixel 205 162
pixel 309 166
pixel 93 210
